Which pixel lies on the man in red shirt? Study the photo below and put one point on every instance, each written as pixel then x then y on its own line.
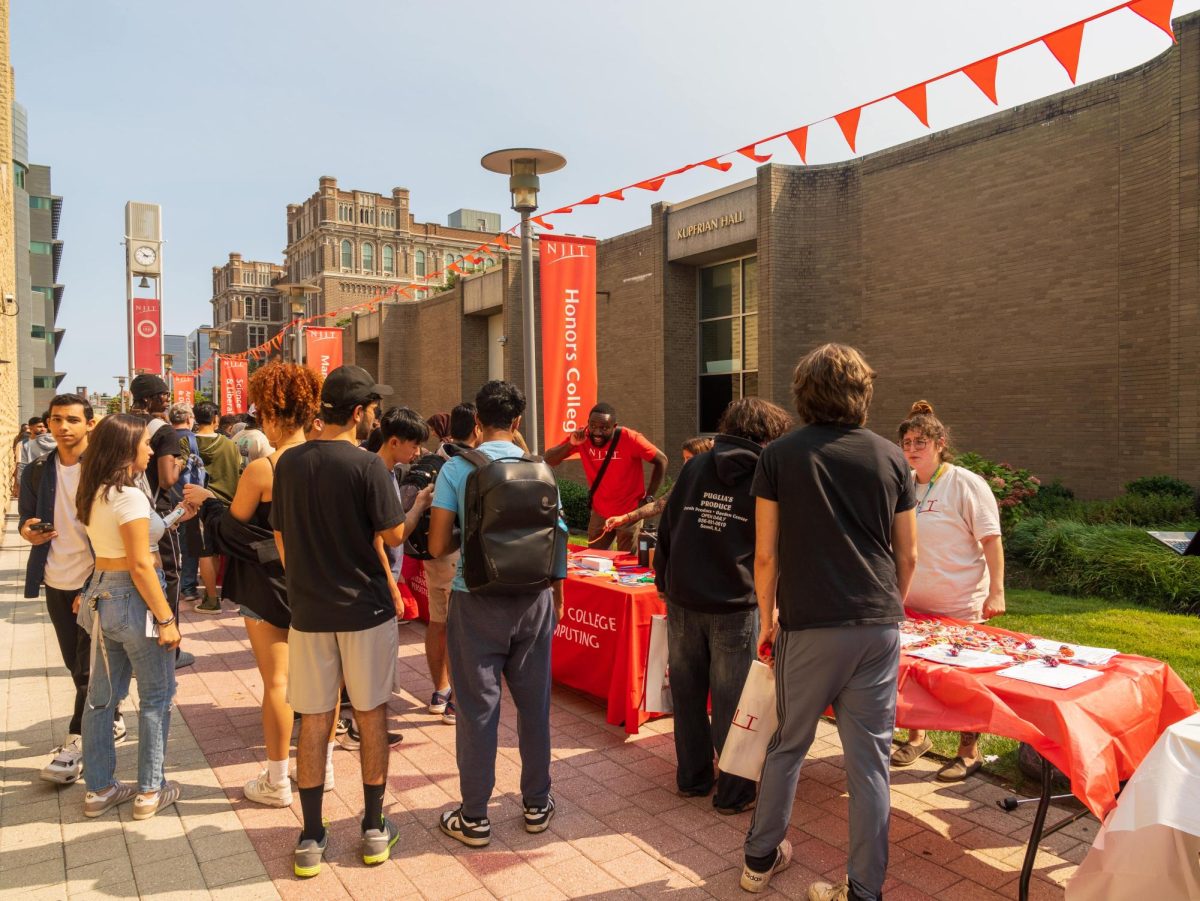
pixel 612 462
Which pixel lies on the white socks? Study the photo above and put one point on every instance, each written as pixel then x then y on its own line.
pixel 277 772
pixel 329 765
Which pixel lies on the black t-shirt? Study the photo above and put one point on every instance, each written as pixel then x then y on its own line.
pixel 838 489
pixel 329 500
pixel 164 443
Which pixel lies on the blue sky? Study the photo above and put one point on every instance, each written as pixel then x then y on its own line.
pixel 225 112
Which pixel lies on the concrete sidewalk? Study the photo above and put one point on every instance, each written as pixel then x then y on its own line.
pixel 620 830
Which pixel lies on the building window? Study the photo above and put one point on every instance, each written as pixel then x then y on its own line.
pixel 19 175
pixel 38 331
pixel 39 203
pixel 347 255
pixel 368 257
pixel 345 212
pixel 366 215
pixel 47 293
pixel 39 247
pixel 43 381
pixel 264 309
pixel 481 224
pixel 256 335
pixel 420 264
pixel 728 337
pixel 389 260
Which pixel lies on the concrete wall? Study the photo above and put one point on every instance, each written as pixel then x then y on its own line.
pixel 8 323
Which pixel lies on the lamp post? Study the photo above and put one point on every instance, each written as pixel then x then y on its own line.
pixel 121 391
pixel 214 344
pixel 522 165
pixel 297 298
pixel 168 366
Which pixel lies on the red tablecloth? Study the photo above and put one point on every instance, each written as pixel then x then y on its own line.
pixel 601 643
pixel 1097 733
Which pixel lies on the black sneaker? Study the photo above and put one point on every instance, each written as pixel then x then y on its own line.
pixel 475 833
pixel 394 739
pixel 346 734
pixel 538 818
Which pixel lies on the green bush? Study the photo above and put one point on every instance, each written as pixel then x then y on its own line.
pixel 1161 485
pixel 575 503
pixel 1114 562
pixel 1146 510
pixel 1012 487
pixel 1052 499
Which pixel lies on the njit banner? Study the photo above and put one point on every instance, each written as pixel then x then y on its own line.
pixel 322 349
pixel 185 389
pixel 568 300
pixel 147 335
pixel 233 386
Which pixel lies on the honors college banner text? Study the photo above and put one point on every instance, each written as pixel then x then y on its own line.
pixel 185 389
pixel 568 273
pixel 233 386
pixel 322 350
pixel 147 335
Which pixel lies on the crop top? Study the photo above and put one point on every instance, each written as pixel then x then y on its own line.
pixel 109 513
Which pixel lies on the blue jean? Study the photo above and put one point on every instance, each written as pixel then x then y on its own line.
pixel 709 653
pixel 189 574
pixel 488 638
pixel 115 614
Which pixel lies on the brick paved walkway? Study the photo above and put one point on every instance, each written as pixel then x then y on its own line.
pixel 620 830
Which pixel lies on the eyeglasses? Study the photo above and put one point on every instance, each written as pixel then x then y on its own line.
pixel 915 444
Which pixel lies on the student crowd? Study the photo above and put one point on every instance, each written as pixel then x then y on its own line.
pixel 798 546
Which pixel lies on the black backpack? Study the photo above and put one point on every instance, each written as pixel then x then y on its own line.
pixel 420 474
pixel 511 542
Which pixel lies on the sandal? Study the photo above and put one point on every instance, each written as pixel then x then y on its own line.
pixel 958 770
pixel 908 754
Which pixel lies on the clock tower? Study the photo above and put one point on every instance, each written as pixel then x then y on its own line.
pixel 143 263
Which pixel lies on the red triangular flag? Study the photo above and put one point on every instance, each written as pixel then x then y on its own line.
pixel 848 122
pixel 983 73
pixel 1064 44
pixel 650 184
pixel 595 198
pixel 543 223
pixel 914 98
pixel 619 194
pixel 1157 12
pixel 749 151
pixel 561 211
pixel 799 139
pixel 453 267
pixel 717 164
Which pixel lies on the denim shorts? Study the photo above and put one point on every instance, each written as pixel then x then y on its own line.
pixel 250 614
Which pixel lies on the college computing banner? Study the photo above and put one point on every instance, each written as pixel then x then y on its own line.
pixel 147 335
pixel 185 389
pixel 233 386
pixel 568 313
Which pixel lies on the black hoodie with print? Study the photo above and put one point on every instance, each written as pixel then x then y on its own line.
pixel 705 555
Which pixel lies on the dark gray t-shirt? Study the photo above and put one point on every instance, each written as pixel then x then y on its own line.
pixel 329 500
pixel 838 489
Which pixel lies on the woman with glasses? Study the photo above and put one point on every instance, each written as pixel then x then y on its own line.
pixel 960 559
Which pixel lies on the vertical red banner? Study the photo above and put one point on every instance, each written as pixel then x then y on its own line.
pixel 147 335
pixel 185 389
pixel 568 312
pixel 233 386
pixel 322 349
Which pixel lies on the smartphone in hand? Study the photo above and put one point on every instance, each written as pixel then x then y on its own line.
pixel 41 527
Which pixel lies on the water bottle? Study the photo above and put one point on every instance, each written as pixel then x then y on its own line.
pixel 647 542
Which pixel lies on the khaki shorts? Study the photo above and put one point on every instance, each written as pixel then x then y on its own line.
pixel 439 573
pixel 318 662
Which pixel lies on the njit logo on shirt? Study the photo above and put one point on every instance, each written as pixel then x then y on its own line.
pixel 928 506
pixel 597 454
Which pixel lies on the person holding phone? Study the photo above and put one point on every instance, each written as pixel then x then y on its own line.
pixel 126 611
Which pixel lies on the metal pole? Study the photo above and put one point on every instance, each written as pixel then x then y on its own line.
pixel 532 425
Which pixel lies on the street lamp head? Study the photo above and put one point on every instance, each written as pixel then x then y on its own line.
pixel 523 165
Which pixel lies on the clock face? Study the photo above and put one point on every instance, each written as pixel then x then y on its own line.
pixel 145 255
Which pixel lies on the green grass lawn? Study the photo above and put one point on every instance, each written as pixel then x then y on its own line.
pixel 1171 637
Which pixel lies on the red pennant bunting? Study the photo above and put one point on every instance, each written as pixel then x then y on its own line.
pixel 799 139
pixel 717 164
pixel 915 99
pixel 474 260
pixel 1156 12
pixel 543 223
pixel 595 198
pixel 983 73
pixel 453 267
pixel 750 151
pixel 848 123
pixel 1065 44
pixel 651 184
pixel 616 195
pixel 561 211
pixel 501 241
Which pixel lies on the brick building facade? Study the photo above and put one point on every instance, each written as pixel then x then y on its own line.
pixel 246 303
pixel 1033 274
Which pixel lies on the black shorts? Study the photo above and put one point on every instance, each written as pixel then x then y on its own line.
pixel 192 538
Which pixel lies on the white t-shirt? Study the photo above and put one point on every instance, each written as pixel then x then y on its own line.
pixel 70 561
pixel 956 513
pixel 253 445
pixel 109 513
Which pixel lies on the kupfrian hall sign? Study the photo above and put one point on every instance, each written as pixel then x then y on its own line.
pixel 737 217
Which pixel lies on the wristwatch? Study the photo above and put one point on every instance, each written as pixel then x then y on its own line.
pixel 648 499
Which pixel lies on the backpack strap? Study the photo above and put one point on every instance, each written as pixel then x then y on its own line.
pixel 612 449
pixel 475 458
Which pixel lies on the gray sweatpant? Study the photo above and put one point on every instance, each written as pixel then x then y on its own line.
pixel 854 669
pixel 486 638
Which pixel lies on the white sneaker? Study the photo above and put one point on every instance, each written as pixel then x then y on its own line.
pixel 66 765
pixel 261 791
pixel 329 783
pixel 119 730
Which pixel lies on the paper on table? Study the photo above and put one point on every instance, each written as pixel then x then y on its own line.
pixel 968 658
pixel 909 638
pixel 1040 673
pixel 1082 653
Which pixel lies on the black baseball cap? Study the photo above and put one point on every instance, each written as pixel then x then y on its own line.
pixel 348 386
pixel 147 385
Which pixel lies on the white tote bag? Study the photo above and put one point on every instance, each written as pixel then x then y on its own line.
pixel 753 725
pixel 657 696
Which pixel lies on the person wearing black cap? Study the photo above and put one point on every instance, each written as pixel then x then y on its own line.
pixel 151 397
pixel 329 502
